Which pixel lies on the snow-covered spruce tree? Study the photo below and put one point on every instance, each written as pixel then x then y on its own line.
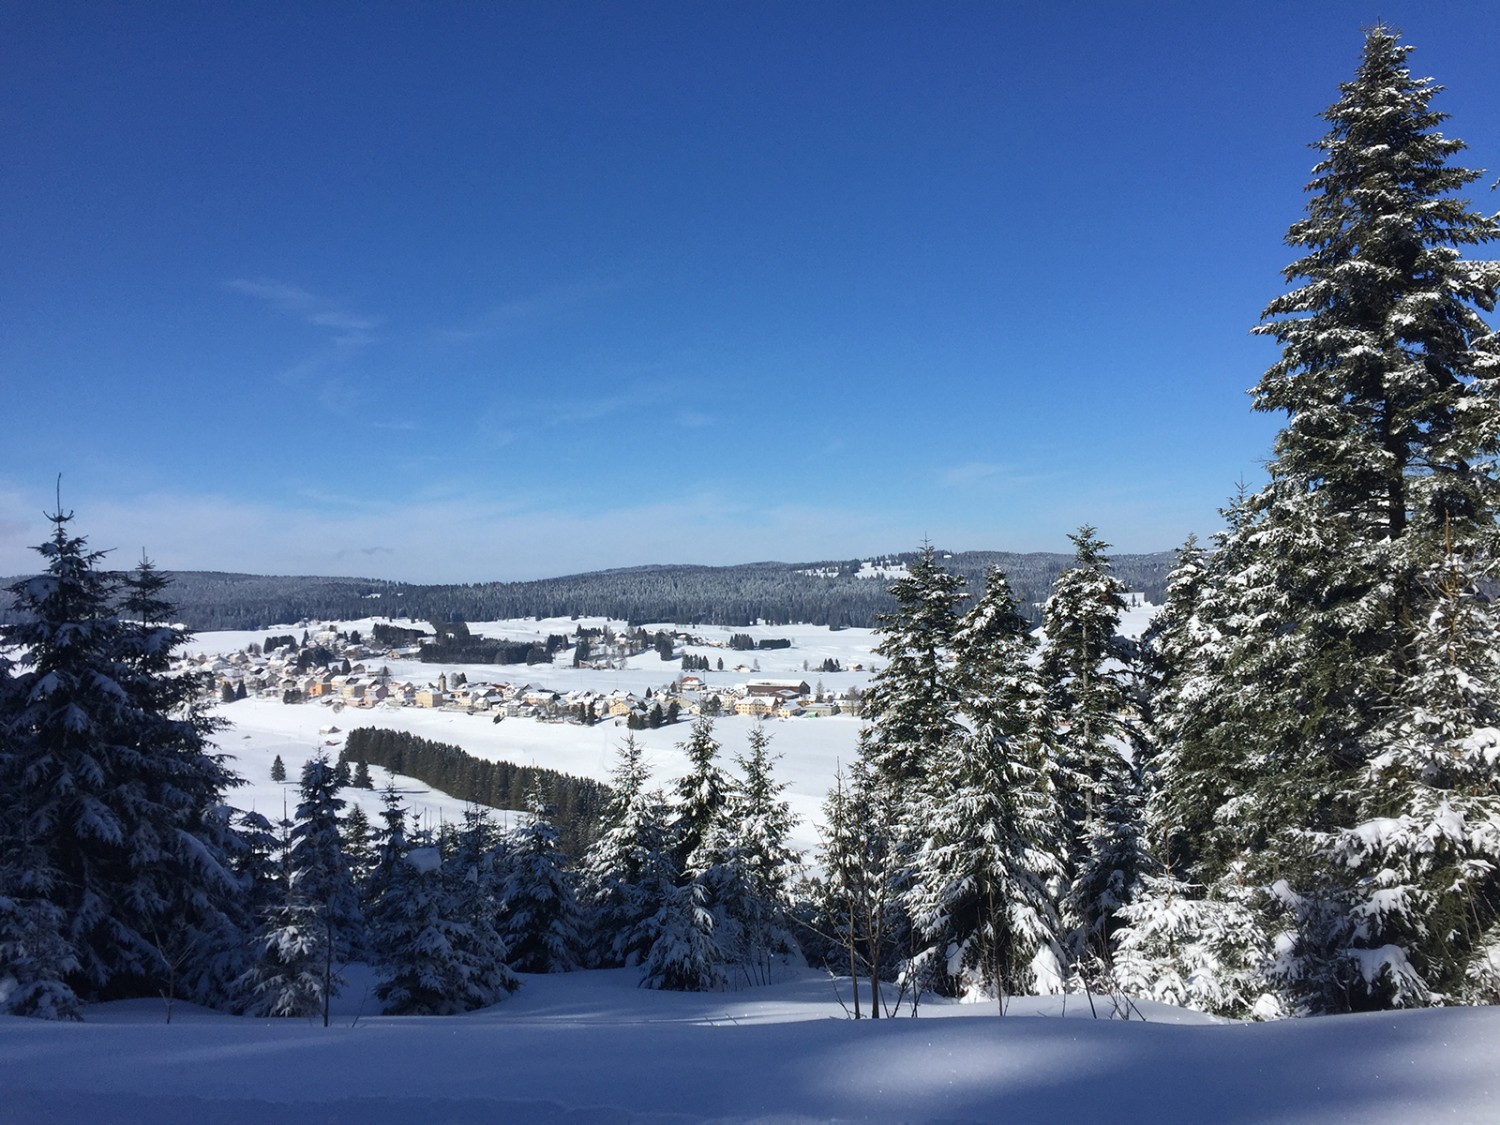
pixel 1387 376
pixel 388 841
pixel 911 713
pixel 857 906
pixel 417 944
pixel 753 894
pixel 684 955
pixel 702 801
pixel 1386 369
pixel 539 920
pixel 615 892
pixel 203 950
pixel 910 706
pixel 320 926
pixel 428 959
pixel 992 851
pixel 1422 858
pixel 35 958
pixel 1097 785
pixel 679 949
pixel 107 786
pixel 471 874
pixel 359 850
pixel 1176 943
pixel 1177 946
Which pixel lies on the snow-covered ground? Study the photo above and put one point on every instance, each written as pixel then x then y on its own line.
pixel 592 1048
pixel 810 748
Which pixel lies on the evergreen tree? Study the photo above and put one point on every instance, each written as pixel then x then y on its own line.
pixel 1292 741
pixel 418 945
pixel 358 839
pixel 1421 901
pixel 911 701
pixel 991 843
pixel 683 955
pixel 319 927
pixel 860 882
pixel 429 959
pixel 389 841
pixel 702 801
pixel 681 950
pixel 614 871
pixel 752 889
pixel 472 873
pixel 540 921
pixel 1383 351
pixel 278 769
pixel 115 860
pixel 1097 786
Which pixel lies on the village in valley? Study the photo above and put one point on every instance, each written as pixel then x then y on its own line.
pixel 341 667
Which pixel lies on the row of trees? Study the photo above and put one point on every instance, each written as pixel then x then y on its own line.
pixel 577 802
pixel 984 838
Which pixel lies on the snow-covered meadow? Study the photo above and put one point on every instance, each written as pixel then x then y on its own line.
pixel 810 748
pixel 591 1047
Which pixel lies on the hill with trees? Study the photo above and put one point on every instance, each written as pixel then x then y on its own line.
pixel 837 593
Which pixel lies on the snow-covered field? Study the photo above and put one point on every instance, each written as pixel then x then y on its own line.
pixel 592 1048
pixel 810 748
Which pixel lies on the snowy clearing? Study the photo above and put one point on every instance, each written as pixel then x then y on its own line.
pixel 591 1047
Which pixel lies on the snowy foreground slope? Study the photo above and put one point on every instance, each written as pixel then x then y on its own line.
pixel 592 1048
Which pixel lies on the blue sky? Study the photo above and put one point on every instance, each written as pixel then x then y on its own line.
pixel 464 291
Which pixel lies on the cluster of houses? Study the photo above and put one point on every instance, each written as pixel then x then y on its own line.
pixel 358 677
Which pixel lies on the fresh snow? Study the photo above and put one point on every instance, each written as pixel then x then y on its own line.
pixel 591 1047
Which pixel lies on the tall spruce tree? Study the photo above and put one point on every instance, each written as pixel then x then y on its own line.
pixel 702 801
pixel 115 852
pixel 429 959
pixel 1385 361
pixel 752 888
pixel 539 919
pixel 911 702
pixel 615 886
pixel 857 905
pixel 1097 785
pixel 319 926
pixel 991 847
pixel 1290 748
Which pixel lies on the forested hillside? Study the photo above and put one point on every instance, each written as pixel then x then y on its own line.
pixel 816 593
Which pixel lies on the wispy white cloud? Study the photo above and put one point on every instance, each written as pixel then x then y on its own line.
pixel 988 473
pixel 514 313
pixel 351 334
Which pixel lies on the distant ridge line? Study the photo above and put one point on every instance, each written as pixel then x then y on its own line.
pixel 740 594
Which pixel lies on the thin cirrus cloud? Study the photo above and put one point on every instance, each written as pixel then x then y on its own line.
pixel 513 314
pixel 310 308
pixel 979 472
pixel 351 334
